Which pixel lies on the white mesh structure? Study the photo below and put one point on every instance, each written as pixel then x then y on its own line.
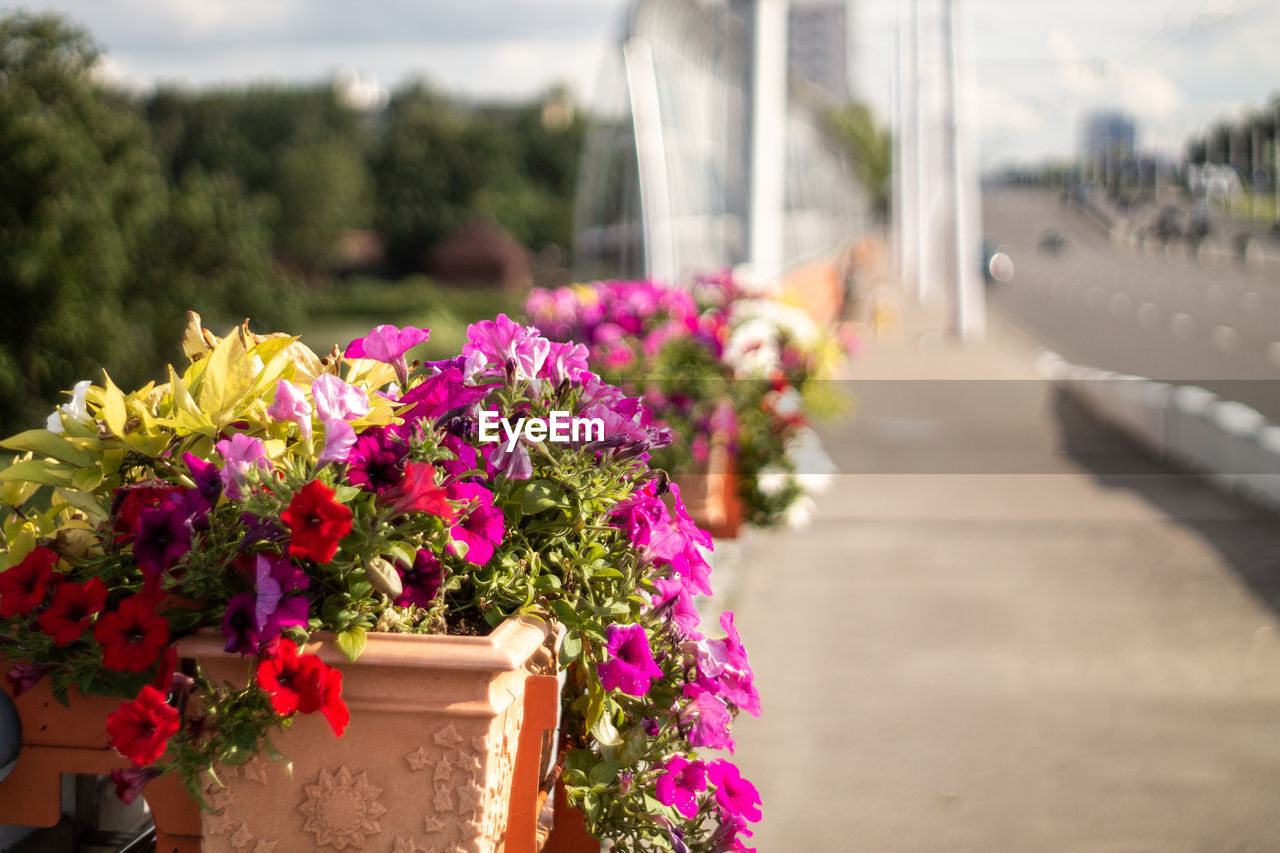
pixel 663 184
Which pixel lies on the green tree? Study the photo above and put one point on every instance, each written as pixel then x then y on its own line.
pixel 869 146
pixel 94 266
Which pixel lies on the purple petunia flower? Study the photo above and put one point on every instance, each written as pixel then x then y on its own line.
pixel 241 453
pixel 240 625
pixel 422 581
pixel 376 463
pixel 274 579
pixel 207 477
pixel 632 668
pixel 515 464
pixel 482 528
pixel 162 534
pixel 23 676
pixel 681 783
pixel 291 405
pixel 736 796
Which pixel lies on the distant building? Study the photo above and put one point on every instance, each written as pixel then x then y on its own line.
pixel 1107 134
pixel 818 44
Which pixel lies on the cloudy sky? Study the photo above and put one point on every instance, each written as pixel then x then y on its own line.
pixel 1035 65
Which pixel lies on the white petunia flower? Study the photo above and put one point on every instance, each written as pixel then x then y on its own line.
pixel 76 409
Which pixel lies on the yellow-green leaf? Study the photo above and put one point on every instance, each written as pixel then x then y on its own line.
pixel 41 471
pixel 46 443
pixel 114 410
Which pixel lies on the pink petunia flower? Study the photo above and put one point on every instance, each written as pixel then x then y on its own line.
pixel 389 344
pixel 724 670
pixel 708 717
pixel 482 528
pixel 737 797
pixel 291 405
pixel 336 403
pixel 632 667
pixel 681 783
pixel 241 453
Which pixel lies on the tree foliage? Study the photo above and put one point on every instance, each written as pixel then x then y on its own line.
pixel 99 257
pixel 869 146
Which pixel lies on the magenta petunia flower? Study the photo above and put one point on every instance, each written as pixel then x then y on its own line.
pixel 482 527
pixel 737 797
pixel 672 598
pixel 723 669
pixel 442 393
pixel 632 668
pixel 708 718
pixel 291 405
pixel 207 477
pixel 421 581
pixel 241 453
pixel 681 783
pixel 376 462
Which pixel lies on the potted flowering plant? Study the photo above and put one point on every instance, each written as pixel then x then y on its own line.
pixel 733 374
pixel 334 559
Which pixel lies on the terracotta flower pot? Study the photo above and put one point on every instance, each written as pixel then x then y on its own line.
pixel 711 496
pixel 59 739
pixel 443 751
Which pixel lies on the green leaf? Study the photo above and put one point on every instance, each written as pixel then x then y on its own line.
pixel 352 642
pixel 541 495
pixel 605 772
pixel 46 443
pixel 565 612
pixel 40 471
pixel 87 479
pixel 570 649
pixel 605 732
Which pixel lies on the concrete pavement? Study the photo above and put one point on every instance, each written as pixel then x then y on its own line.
pixel 1007 630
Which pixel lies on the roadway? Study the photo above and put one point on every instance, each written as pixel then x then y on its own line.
pixel 1156 313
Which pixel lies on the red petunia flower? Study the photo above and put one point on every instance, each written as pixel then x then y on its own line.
pixel 140 729
pixel 302 683
pixel 291 680
pixel 23 587
pixel 73 605
pixel 132 636
pixel 418 492
pixel 316 522
pixel 332 706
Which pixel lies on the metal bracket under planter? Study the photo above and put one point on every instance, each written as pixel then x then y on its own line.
pixel 59 739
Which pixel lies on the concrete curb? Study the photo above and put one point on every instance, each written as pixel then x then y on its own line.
pixel 1232 445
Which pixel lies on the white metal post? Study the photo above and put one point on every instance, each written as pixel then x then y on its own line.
pixel 768 138
pixel 968 320
pixel 919 167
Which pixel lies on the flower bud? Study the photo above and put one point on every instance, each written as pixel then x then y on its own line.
pixel 384 577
